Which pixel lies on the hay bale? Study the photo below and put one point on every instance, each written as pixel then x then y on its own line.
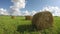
pixel 42 20
pixel 28 17
pixel 13 17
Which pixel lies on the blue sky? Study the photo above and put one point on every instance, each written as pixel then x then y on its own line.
pixel 34 5
pixel 5 4
pixel 31 4
pixel 39 4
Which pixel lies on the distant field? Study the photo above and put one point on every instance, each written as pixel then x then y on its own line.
pixel 11 26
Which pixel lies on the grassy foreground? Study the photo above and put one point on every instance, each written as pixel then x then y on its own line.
pixel 17 26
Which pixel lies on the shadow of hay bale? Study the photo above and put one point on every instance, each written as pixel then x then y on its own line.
pixel 28 28
pixel 22 19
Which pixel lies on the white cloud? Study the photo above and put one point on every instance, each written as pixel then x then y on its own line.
pixel 16 13
pixel 33 12
pixel 17 5
pixel 29 13
pixel 54 10
pixel 3 11
pixel 26 13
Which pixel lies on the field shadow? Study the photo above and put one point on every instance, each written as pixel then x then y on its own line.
pixel 22 19
pixel 23 28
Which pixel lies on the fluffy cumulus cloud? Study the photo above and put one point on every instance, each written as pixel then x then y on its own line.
pixel 26 13
pixel 17 5
pixel 54 10
pixel 3 12
pixel 29 13
pixel 33 13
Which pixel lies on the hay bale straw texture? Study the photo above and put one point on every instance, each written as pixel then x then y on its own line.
pixel 28 17
pixel 42 20
pixel 13 17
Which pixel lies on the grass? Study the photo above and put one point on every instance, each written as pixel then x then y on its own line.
pixel 21 26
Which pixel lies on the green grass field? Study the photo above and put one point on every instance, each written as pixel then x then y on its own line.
pixel 19 24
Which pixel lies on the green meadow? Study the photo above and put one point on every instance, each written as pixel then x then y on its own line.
pixel 21 26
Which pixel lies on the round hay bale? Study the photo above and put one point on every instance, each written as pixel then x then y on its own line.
pixel 28 17
pixel 13 17
pixel 42 20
